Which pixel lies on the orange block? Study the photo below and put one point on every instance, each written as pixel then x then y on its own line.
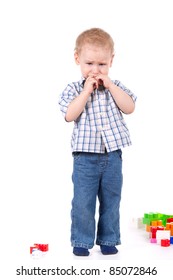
pixel 168 226
pixel 171 229
pixel 154 224
pixel 148 228
pixel 159 222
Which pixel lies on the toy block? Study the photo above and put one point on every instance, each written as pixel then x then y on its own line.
pixel 138 223
pixel 42 247
pixel 168 226
pixel 171 229
pixel 153 230
pixel 151 215
pixel 32 248
pixel 145 215
pixel 154 223
pixel 148 218
pixel 155 216
pixel 148 228
pixel 171 239
pixel 160 216
pixel 170 220
pixel 165 242
pixel 159 222
pixel 146 221
pixel 160 228
pixel 153 240
pixel 38 250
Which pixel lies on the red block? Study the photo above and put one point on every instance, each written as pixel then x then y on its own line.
pixel 153 232
pixel 42 247
pixel 33 247
pixel 165 242
pixel 160 228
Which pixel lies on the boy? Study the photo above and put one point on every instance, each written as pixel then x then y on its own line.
pixel 95 104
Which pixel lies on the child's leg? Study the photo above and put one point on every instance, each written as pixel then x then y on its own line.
pixel 109 196
pixel 86 183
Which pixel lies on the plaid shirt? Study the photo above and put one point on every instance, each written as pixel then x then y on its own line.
pixel 101 124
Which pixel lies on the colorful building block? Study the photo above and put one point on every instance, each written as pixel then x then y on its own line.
pixel 160 228
pixel 165 242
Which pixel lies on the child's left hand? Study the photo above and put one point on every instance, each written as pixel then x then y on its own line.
pixel 104 80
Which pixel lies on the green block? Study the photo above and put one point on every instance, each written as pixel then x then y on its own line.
pixel 146 221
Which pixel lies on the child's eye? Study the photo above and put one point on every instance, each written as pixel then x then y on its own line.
pixel 89 63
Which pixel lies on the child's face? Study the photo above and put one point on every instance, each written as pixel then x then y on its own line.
pixel 94 60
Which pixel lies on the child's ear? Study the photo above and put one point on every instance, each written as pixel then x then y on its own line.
pixel 76 57
pixel 112 60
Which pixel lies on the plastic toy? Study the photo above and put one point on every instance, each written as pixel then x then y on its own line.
pixel 160 228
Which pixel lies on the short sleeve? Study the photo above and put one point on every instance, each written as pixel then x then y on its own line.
pixel 128 91
pixel 66 97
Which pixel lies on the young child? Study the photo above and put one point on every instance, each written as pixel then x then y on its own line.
pixel 95 104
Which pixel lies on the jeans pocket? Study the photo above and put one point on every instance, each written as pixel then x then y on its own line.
pixel 119 152
pixel 76 155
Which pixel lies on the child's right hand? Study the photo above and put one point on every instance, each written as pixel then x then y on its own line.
pixel 90 84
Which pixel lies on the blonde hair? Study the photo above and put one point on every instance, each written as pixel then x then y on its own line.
pixel 94 36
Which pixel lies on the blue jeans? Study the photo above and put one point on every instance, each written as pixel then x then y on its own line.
pixel 96 175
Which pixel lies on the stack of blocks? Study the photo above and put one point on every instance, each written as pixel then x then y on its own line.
pixel 160 228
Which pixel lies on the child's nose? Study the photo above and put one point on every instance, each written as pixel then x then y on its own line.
pixel 95 69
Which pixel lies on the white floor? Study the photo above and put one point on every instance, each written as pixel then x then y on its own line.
pixel 136 250
pixel 135 246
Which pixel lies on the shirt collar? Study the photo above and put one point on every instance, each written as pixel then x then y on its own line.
pixel 82 81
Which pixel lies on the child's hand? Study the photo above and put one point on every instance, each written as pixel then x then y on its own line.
pixel 99 82
pixel 103 81
pixel 91 83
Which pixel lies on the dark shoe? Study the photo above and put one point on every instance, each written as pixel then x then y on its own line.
pixel 78 251
pixel 108 250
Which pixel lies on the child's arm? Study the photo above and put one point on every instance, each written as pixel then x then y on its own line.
pixel 122 99
pixel 76 107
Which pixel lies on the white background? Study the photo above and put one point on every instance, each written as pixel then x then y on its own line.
pixel 36 63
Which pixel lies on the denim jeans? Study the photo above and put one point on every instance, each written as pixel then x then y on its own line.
pixel 96 176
